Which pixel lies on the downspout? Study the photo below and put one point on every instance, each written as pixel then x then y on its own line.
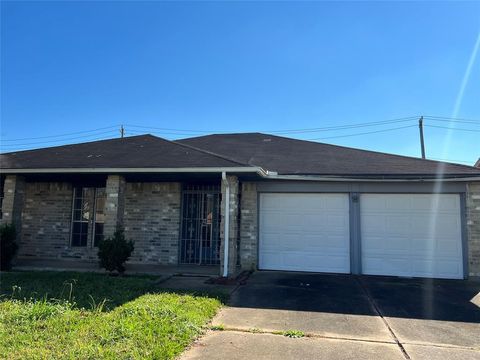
pixel 226 234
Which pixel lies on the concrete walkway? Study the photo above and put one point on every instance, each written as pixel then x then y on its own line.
pixel 345 317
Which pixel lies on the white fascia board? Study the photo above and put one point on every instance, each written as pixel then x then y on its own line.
pixel 249 169
pixel 347 179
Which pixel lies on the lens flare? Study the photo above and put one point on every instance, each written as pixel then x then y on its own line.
pixel 428 299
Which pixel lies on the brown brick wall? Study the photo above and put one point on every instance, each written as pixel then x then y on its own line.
pixel 152 221
pixel 473 228
pixel 248 226
pixel 13 200
pixel 150 216
pixel 233 226
pixel 114 203
pixel 46 220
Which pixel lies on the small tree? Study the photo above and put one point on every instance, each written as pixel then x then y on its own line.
pixel 114 251
pixel 8 245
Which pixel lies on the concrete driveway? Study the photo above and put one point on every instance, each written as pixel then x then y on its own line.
pixel 345 317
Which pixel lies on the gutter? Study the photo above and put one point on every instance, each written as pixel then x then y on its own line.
pixel 226 224
pixel 240 169
pixel 266 174
pixel 273 176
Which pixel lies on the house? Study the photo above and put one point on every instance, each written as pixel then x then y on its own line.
pixel 247 201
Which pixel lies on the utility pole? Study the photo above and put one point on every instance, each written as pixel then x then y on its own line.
pixel 122 131
pixel 422 143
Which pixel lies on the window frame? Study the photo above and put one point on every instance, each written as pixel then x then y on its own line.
pixel 92 220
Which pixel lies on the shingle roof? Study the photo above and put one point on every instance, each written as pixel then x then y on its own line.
pixel 291 156
pixel 144 151
pixel 280 154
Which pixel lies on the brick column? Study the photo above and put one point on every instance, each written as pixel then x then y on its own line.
pixel 13 200
pixel 473 228
pixel 114 204
pixel 248 227
pixel 233 226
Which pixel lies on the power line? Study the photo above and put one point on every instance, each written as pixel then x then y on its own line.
pixel 169 129
pixel 285 131
pixel 147 129
pixel 452 160
pixel 190 132
pixel 344 127
pixel 23 148
pixel 173 131
pixel 475 123
pixel 60 135
pixel 60 140
pixel 365 133
pixel 452 118
pixel 452 128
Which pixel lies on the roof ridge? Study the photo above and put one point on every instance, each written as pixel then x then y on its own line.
pixel 346 147
pixel 210 153
pixel 380 152
pixel 81 143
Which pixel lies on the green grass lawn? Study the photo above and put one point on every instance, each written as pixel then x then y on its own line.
pixel 66 315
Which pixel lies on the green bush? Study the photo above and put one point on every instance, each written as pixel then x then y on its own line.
pixel 114 251
pixel 8 246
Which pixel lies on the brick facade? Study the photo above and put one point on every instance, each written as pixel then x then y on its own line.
pixel 46 223
pixel 248 226
pixel 13 200
pixel 233 226
pixel 152 220
pixel 473 228
pixel 114 203
pixel 151 213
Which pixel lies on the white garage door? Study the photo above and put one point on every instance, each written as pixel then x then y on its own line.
pixel 411 235
pixel 304 232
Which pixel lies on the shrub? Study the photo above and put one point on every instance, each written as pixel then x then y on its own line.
pixel 8 246
pixel 114 251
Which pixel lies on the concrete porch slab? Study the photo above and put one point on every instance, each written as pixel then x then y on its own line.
pixel 198 284
pixel 91 266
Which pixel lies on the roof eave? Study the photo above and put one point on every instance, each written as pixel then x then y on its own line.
pixel 384 178
pixel 100 170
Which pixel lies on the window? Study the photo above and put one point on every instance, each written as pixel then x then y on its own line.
pixel 100 197
pixel 87 216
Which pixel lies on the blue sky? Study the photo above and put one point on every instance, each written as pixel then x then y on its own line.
pixel 70 67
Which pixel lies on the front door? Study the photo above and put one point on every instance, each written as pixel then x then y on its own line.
pixel 200 233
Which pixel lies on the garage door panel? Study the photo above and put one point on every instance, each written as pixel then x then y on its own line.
pixel 427 202
pixel 411 235
pixel 304 232
pixel 310 262
pixel 397 204
pixel 386 265
pixel 397 224
pixel 373 224
pixel 335 203
pixel 336 222
pixel 447 248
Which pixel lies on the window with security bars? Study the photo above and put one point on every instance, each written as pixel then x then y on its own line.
pixel 200 225
pixel 88 216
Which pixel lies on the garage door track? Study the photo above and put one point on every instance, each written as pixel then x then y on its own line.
pixel 280 315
